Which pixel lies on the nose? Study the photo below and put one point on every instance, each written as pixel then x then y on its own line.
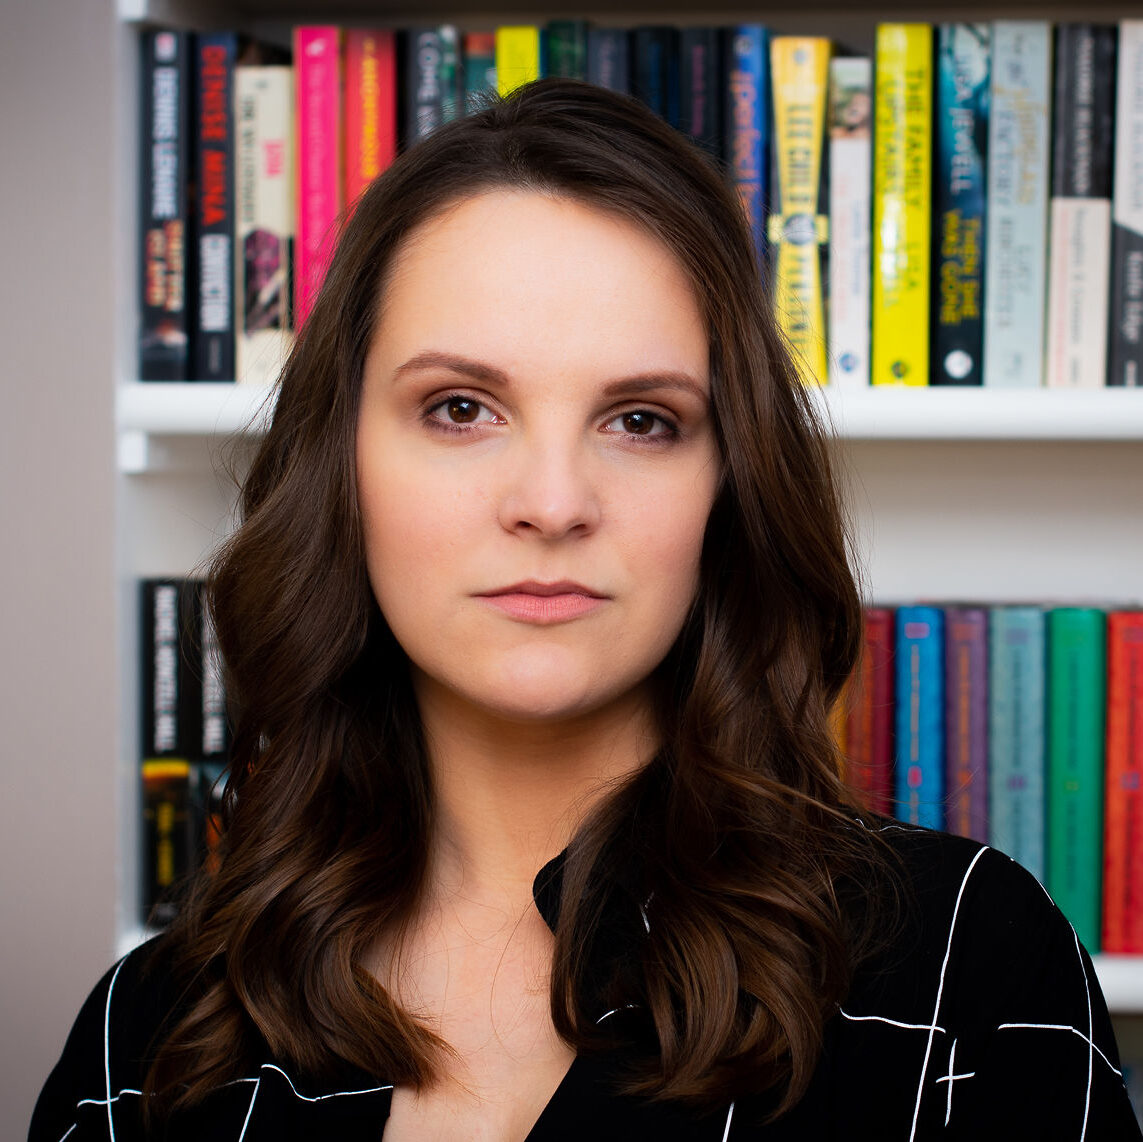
pixel 551 491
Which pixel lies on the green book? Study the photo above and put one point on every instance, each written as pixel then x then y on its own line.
pixel 565 48
pixel 1077 683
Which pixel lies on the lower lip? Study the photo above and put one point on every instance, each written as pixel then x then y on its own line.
pixel 545 609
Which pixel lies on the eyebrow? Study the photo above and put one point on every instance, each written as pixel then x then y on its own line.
pixel 481 371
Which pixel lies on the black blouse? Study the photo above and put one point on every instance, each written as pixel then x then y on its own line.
pixel 982 1020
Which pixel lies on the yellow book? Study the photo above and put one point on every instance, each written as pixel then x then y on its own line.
pixel 798 227
pixel 517 56
pixel 902 193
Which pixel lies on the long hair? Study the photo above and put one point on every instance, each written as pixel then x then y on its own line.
pixel 740 830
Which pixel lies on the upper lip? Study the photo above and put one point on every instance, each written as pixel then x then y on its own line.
pixel 535 587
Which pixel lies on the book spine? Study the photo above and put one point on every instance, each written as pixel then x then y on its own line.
pixel 168 670
pixel 960 135
pixel 869 731
pixel 608 58
pixel 208 787
pixel 167 836
pixel 479 53
pixel 517 56
pixel 566 49
pixel 798 226
pixel 370 108
pixel 747 126
pixel 1016 227
pixel 214 736
pixel 902 200
pixel 1076 705
pixel 1123 800
pixel 1125 341
pixel 264 214
pixel 317 56
pixel 655 78
pixel 164 151
pixel 1016 757
pixel 213 336
pixel 966 721
pixel 850 174
pixel 920 716
pixel 1080 227
pixel 700 80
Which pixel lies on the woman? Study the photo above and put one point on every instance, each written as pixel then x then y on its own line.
pixel 533 623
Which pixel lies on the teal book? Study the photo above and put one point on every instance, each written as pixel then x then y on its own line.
pixel 1077 687
pixel 920 716
pixel 1017 811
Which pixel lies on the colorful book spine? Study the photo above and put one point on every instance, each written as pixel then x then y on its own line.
pixel 1015 260
pixel 370 107
pixel 168 836
pixel 478 50
pixel 798 226
pixel 1123 798
pixel 920 768
pixel 655 70
pixel 164 150
pixel 850 174
pixel 1125 340
pixel 902 200
pixel 517 56
pixel 608 58
pixel 700 82
pixel 1076 727
pixel 1079 259
pixel 747 125
pixel 317 63
pixel 264 215
pixel 212 339
pixel 565 48
pixel 960 144
pixel 1017 810
pixel 432 80
pixel 869 731
pixel 966 722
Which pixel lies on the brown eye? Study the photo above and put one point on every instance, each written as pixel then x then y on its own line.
pixel 462 411
pixel 638 423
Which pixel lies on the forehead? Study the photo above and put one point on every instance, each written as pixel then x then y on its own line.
pixel 530 277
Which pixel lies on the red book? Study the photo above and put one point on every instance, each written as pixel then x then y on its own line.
pixel 869 733
pixel 1123 791
pixel 370 107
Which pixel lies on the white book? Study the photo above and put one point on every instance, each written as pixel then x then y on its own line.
pixel 1015 260
pixel 265 196
pixel 850 210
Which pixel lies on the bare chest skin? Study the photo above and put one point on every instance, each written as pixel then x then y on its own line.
pixel 480 980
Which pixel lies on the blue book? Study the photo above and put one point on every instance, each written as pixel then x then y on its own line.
pixel 608 55
pixel 1016 743
pixel 746 124
pixel 655 62
pixel 960 146
pixel 920 772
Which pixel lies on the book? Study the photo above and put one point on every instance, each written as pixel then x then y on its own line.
pixel 517 56
pixel 700 84
pixel 264 220
pixel 920 686
pixel 1017 809
pixel 655 70
pixel 1079 264
pixel 869 729
pixel 168 678
pixel 478 54
pixel 164 159
pixel 318 72
pixel 168 841
pixel 747 126
pixel 966 721
pixel 798 225
pixel 960 147
pixel 608 58
pixel 1123 787
pixel 565 48
pixel 1076 703
pixel 902 201
pixel 1015 259
pixel 212 337
pixel 370 107
pixel 213 722
pixel 850 174
pixel 433 79
pixel 1125 336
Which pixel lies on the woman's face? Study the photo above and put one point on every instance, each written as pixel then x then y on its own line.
pixel 535 456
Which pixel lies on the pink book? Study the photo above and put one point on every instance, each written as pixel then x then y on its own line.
pixel 317 65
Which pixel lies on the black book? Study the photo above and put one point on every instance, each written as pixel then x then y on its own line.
pixel 655 70
pixel 701 81
pixel 609 58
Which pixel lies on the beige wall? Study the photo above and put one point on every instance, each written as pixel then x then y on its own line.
pixel 57 485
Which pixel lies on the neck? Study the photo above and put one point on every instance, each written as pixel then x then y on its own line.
pixel 509 796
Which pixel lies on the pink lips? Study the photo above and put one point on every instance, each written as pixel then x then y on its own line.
pixel 545 603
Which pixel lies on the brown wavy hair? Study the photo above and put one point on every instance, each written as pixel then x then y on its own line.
pixel 740 831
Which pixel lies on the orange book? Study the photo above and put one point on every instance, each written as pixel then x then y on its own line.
pixel 1123 790
pixel 370 107
pixel 869 729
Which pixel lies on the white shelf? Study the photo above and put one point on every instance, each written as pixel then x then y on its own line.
pixel 148 412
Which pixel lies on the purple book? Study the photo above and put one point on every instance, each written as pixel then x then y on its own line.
pixel 966 722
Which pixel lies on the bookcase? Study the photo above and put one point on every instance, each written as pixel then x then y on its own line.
pixel 955 494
